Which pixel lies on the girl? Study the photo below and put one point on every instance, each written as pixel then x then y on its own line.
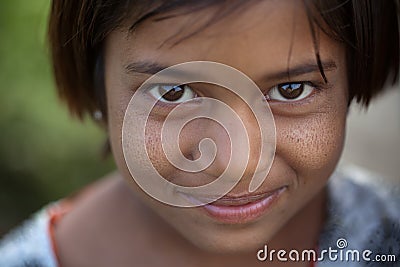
pixel 309 59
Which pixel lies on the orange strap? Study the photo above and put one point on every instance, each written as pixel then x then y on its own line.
pixel 56 212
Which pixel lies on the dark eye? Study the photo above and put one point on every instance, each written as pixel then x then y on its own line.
pixel 172 93
pixel 290 91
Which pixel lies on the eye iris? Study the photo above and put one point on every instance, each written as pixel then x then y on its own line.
pixel 291 91
pixel 171 93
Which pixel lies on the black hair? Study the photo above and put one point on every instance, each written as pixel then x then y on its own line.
pixel 369 29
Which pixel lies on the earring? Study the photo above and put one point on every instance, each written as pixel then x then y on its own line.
pixel 97 115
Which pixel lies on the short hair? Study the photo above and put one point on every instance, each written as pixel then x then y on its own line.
pixel 369 29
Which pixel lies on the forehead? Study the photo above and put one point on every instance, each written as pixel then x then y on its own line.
pixel 273 34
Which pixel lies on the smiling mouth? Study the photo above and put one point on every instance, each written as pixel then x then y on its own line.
pixel 242 209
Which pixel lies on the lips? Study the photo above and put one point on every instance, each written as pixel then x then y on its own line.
pixel 242 209
pixel 241 200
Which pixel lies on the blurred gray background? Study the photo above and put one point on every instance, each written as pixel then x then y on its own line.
pixel 373 136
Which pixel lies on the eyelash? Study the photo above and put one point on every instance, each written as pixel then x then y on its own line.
pixel 312 87
pixel 315 88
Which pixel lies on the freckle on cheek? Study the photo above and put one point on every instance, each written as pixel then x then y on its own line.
pixel 311 145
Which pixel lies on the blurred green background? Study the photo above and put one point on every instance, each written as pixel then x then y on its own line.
pixel 44 153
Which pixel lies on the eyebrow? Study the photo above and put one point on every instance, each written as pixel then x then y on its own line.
pixel 151 68
pixel 144 67
pixel 302 69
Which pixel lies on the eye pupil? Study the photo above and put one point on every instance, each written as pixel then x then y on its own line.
pixel 171 93
pixel 291 90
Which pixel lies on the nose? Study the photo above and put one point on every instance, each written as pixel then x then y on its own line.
pixel 247 147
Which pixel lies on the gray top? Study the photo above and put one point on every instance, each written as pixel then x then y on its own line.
pixel 363 216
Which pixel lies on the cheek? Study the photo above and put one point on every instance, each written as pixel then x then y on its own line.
pixel 311 144
pixel 117 102
pixel 115 111
pixel 134 144
pixel 154 148
pixel 188 141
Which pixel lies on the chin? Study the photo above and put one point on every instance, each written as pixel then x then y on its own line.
pixel 229 242
pixel 238 248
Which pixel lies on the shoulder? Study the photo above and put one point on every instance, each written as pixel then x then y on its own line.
pixel 102 226
pixel 29 245
pixel 363 211
pixel 32 244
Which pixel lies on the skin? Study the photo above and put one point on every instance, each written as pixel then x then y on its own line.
pixel 310 136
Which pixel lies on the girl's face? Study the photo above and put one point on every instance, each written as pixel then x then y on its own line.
pixel 261 40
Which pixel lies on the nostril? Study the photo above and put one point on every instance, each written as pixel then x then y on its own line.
pixel 192 155
pixel 189 156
